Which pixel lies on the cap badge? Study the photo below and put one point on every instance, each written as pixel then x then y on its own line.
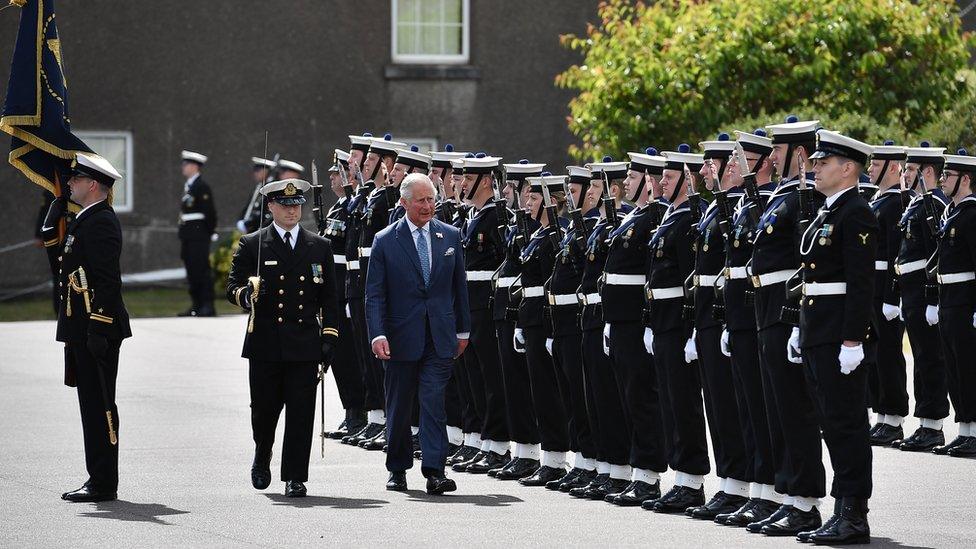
pixel 290 190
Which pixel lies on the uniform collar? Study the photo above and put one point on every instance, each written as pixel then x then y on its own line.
pixel 88 207
pixel 832 199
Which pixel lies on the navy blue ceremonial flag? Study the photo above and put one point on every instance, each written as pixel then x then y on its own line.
pixel 35 109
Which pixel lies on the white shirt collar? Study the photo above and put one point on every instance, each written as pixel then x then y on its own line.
pixel 88 207
pixel 192 178
pixel 281 234
pixel 833 198
pixel 414 228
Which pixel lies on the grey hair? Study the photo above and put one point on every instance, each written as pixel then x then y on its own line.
pixel 411 181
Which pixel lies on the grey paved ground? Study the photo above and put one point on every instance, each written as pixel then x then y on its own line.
pixel 186 450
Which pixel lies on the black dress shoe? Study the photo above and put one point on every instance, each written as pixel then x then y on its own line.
pixel 397 481
pixel 924 439
pixel 874 428
pixel 295 489
pixel 206 311
pixel 580 491
pixel 568 477
pixel 367 432
pixel 439 484
pixel 760 510
pixel 583 479
pixel 781 511
pixel 637 493
pixel 462 466
pixel 804 537
pixel 89 493
pixel 612 486
pixel 965 449
pixel 943 450
pixel 518 468
pixel 490 461
pixel 189 312
pixel 848 527
pixel 261 472
pixel 339 432
pixel 679 499
pixel 374 444
pixel 793 523
pixel 464 453
pixel 721 503
pixel 886 435
pixel 721 518
pixel 542 475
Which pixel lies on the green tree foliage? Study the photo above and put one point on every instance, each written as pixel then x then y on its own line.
pixel 221 259
pixel 680 70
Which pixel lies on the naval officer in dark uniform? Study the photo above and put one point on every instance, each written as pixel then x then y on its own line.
pixel 198 223
pixel 92 320
pixel 283 274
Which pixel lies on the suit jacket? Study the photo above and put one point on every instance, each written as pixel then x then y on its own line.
pixel 400 306
pixel 198 199
pixel 93 242
pixel 298 293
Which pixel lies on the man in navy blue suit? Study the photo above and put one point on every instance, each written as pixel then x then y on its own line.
pixel 419 322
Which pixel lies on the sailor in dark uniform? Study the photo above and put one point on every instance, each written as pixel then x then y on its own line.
pixel 957 296
pixel 345 362
pixel 408 161
pixel 198 223
pixel 92 320
pixel 283 274
pixel 919 300
pixel 754 168
pixel 837 261
pixel 885 353
pixel 289 169
pixel 725 419
pixel 250 219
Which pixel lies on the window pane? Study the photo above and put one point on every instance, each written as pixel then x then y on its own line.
pixel 113 148
pixel 407 10
pixel 405 38
pixel 452 11
pixel 452 40
pixel 430 11
pixel 430 40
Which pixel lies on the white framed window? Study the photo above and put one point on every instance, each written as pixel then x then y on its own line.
pixel 424 144
pixel 430 31
pixel 116 147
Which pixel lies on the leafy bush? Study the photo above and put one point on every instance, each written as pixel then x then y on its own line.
pixel 220 260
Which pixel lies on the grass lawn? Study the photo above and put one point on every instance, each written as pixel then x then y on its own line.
pixel 140 302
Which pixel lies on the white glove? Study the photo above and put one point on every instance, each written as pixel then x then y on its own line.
pixel 890 311
pixel 850 357
pixel 241 227
pixel 932 314
pixel 724 343
pixel 793 347
pixel 606 339
pixel 691 351
pixel 549 345
pixel 348 312
pixel 901 315
pixel 649 340
pixel 518 341
pixel 974 320
pixel 214 237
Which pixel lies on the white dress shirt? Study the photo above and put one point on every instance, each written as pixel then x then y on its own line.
pixel 281 233
pixel 833 198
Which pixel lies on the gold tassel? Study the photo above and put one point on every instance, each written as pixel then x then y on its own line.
pixel 256 284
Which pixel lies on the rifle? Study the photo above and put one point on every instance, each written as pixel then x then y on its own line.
pixel 551 215
pixel 721 203
pixel 447 206
pixel 501 207
pixel 694 204
pixel 932 222
pixel 903 192
pixel 803 196
pixel 609 204
pixel 256 195
pixel 318 208
pixel 749 182
pixel 790 313
pixel 521 218
pixel 346 185
pixel 694 199
pixel 576 215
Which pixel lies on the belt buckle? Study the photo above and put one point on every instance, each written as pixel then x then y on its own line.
pixel 728 272
pixel 552 299
pixel 696 281
pixel 898 270
pixel 756 283
pixel 650 294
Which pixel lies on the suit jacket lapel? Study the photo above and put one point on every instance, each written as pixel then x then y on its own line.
pixel 302 245
pixel 274 243
pixel 437 247
pixel 405 239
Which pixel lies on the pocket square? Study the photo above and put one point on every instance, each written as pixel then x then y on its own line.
pixel 449 251
pixel 440 235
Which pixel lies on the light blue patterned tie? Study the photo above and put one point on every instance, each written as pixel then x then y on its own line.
pixel 424 254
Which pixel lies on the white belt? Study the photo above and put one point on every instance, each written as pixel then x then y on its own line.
pixel 352 265
pixel 771 278
pixel 665 293
pixel 196 216
pixel 880 265
pixel 910 267
pixel 706 280
pixel 625 280
pixel 339 259
pixel 533 291
pixel 954 278
pixel 590 299
pixel 480 276
pixel 736 273
pixel 506 281
pixel 364 252
pixel 563 299
pixel 825 288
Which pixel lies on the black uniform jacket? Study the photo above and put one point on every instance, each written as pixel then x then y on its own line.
pixel 739 313
pixel 89 266
pixel 298 305
pixel 511 267
pixel 917 242
pixel 957 254
pixel 483 251
pixel 710 258
pixel 198 202
pixel 672 260
pixel 839 246
pixel 887 207
pixel 538 257
pixel 354 226
pixel 335 230
pixel 628 255
pixel 567 274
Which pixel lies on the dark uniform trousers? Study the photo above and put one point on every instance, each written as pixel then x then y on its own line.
pixel 195 253
pixel 642 390
pixel 520 415
pixel 548 403
pixel 471 395
pixel 608 420
pixel 346 358
pixel 373 397
pixel 749 381
pixel 452 400
pixel 681 398
pixel 930 381
pixel 482 356
pixel 726 421
pixel 566 356
pixel 959 338
pixel 291 385
pixel 101 457
pixel 890 393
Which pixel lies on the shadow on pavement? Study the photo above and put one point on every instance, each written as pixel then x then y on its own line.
pixel 888 542
pixel 485 500
pixel 128 511
pixel 324 501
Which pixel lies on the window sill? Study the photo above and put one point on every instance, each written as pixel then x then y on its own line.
pixel 431 72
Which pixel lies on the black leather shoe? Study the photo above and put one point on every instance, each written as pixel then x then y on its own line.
pixel 493 472
pixel 580 492
pixel 965 449
pixel 377 442
pixel 295 489
pixel 367 432
pixel 542 475
pixel 261 472
pixel 781 511
pixel 721 503
pixel 568 477
pixel 679 499
pixel 923 439
pixel 439 484
pixel 943 450
pixel 339 432
pixel 462 466
pixel 206 311
pixel 612 486
pixel 721 518
pixel 637 493
pixel 464 453
pixel 849 527
pixel 397 481
pixel 518 468
pixel 886 435
pixel 583 479
pixel 89 493
pixel 760 510
pixel 490 461
pixel 793 523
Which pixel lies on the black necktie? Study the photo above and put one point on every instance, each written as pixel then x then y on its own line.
pixel 288 239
